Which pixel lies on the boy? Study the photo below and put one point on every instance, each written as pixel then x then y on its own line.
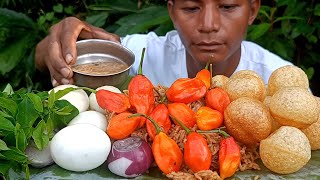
pixel 205 29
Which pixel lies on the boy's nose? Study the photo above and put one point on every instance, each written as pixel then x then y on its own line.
pixel 209 20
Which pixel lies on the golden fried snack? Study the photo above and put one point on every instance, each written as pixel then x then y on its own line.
pixel 294 106
pixel 285 151
pixel 287 76
pixel 246 83
pixel 313 132
pixel 219 81
pixel 247 120
pixel 275 124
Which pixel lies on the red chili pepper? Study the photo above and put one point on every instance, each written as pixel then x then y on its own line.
pixel 160 115
pixel 217 99
pixel 183 112
pixel 229 157
pixel 165 150
pixel 186 90
pixel 121 126
pixel 205 76
pixel 208 119
pixel 196 152
pixel 141 95
pixel 115 102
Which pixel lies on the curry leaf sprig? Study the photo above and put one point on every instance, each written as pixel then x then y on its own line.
pixel 29 116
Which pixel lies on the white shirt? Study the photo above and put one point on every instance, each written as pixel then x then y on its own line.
pixel 165 57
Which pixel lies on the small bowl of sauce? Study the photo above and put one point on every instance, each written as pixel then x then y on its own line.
pixel 101 62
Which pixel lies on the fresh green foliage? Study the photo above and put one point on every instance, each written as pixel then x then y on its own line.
pixel 29 116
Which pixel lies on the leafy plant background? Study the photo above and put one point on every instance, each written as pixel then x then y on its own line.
pixel 289 28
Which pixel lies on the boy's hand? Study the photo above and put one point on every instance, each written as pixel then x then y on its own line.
pixel 58 50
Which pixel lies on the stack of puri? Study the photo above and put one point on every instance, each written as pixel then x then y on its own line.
pixel 282 117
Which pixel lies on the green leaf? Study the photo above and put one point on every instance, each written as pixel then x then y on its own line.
pixel 58 8
pixel 142 21
pixel 3 145
pixel 5 165
pixel 280 49
pixel 21 139
pixel 10 18
pixel 9 105
pixel 258 30
pixel 63 92
pixel 51 98
pixel 15 155
pixel 16 42
pixel 69 10
pixel 40 135
pixel 124 6
pixel 287 18
pixel 98 19
pixel 11 55
pixel 63 115
pixel 5 125
pixel 8 90
pixel 49 16
pixel 37 102
pixel 27 114
pixel 317 10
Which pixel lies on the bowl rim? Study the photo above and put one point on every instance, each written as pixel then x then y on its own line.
pixel 109 42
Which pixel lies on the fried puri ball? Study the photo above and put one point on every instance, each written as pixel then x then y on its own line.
pixel 246 83
pixel 247 120
pixel 285 151
pixel 294 106
pixel 313 132
pixel 287 76
pixel 219 81
pixel 275 124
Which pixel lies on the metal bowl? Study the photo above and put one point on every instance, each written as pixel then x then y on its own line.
pixel 96 50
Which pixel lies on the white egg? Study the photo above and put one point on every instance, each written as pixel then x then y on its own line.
pixel 77 98
pixel 93 104
pixel 91 117
pixel 38 158
pixel 80 147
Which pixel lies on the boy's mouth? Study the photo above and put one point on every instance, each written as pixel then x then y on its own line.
pixel 209 45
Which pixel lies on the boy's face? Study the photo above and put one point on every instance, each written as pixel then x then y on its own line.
pixel 212 27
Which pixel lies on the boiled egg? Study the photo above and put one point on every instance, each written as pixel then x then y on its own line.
pixel 90 117
pixel 78 98
pixel 80 147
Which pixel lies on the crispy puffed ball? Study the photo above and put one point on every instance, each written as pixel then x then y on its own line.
pixel 285 151
pixel 313 131
pixel 246 83
pixel 294 106
pixel 219 81
pixel 247 120
pixel 275 124
pixel 287 76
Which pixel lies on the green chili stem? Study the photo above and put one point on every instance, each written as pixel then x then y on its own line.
pixel 141 61
pixel 218 130
pixel 207 64
pixel 150 119
pixel 188 131
pixel 87 89
pixel 211 75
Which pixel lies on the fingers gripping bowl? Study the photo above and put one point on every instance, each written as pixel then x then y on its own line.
pixel 101 62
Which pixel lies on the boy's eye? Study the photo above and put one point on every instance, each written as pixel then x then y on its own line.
pixel 190 9
pixel 228 7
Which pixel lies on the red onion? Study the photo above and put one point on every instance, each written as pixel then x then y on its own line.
pixel 130 157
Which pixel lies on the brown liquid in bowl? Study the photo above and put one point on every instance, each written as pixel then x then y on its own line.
pixel 100 68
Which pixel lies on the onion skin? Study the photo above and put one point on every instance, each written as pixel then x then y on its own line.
pixel 130 157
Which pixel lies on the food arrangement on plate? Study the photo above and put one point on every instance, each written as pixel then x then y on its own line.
pixel 198 128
